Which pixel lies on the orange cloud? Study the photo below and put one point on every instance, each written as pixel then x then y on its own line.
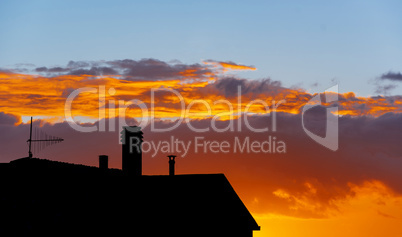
pixel 25 95
pixel 226 66
pixel 234 66
pixel 372 210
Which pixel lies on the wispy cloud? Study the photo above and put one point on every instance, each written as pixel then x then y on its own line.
pixel 227 66
pixel 392 76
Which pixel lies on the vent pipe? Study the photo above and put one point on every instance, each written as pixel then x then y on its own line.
pixel 171 164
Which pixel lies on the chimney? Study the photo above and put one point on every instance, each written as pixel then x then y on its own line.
pixel 171 164
pixel 131 139
pixel 103 162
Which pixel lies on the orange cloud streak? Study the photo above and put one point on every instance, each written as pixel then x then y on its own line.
pixel 236 66
pixel 25 95
pixel 226 66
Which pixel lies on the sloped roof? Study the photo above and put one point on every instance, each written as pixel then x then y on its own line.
pixel 55 194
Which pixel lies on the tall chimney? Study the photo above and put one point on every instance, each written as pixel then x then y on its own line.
pixel 131 139
pixel 103 162
pixel 171 164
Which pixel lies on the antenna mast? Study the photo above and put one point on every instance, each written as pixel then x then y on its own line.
pixel 30 140
pixel 42 140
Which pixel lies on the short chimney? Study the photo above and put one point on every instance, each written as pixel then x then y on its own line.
pixel 171 164
pixel 103 162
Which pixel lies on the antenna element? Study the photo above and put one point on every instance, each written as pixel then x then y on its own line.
pixel 41 140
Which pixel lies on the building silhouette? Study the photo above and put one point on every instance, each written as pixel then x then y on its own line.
pixel 48 198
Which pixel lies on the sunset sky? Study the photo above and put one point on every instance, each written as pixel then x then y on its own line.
pixel 226 68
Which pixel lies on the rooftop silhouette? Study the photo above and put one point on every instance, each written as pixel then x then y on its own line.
pixel 48 198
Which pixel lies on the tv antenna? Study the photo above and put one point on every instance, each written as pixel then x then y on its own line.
pixel 41 140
